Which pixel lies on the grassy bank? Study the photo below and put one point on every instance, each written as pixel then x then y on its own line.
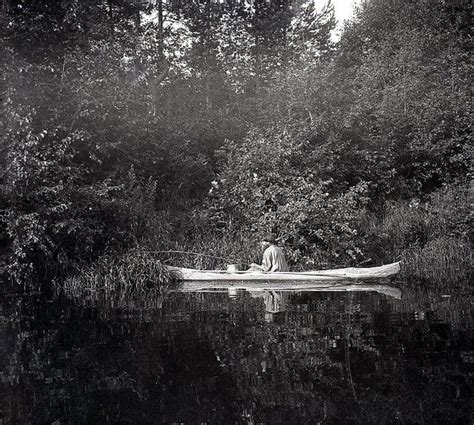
pixel 442 262
pixel 122 281
pixel 431 238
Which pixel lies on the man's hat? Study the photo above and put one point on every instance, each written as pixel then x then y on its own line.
pixel 269 237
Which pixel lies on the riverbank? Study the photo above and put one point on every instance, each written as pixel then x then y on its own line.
pixel 431 239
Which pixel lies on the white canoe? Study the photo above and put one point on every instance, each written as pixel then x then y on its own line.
pixel 347 274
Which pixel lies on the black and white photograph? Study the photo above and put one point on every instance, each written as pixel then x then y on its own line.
pixel 244 212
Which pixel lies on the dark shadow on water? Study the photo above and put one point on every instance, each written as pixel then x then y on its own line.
pixel 237 357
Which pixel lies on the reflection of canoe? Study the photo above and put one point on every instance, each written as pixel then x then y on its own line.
pixel 258 288
pixel 350 273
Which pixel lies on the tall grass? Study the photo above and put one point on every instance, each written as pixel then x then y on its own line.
pixel 441 262
pixel 431 238
pixel 388 236
pixel 123 280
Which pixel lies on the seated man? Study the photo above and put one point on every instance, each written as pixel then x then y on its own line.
pixel 273 258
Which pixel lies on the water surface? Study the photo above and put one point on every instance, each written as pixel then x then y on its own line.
pixel 238 357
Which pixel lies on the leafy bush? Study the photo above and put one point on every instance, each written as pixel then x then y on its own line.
pixel 267 184
pixel 57 218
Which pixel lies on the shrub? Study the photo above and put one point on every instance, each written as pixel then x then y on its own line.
pixel 267 184
pixel 57 218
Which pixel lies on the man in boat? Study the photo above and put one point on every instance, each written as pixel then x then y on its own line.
pixel 273 259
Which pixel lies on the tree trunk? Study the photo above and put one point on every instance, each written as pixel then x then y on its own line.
pixel 111 19
pixel 157 80
pixel 160 29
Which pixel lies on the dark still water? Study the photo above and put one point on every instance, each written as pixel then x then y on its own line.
pixel 247 358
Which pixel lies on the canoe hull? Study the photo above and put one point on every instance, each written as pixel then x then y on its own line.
pixel 351 273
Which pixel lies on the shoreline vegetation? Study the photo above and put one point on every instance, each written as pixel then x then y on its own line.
pixel 129 142
pixel 428 239
pixel 123 281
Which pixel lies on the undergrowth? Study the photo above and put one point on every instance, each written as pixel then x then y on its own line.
pixel 136 275
pixel 431 238
pixel 442 261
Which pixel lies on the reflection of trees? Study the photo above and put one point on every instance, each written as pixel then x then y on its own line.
pixel 286 369
pixel 208 358
pixel 338 358
pixel 80 366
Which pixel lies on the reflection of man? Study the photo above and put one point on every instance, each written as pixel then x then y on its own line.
pixel 273 258
pixel 275 305
pixel 274 301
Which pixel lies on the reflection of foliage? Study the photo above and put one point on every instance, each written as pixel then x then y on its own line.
pixel 93 367
pixel 208 358
pixel 298 369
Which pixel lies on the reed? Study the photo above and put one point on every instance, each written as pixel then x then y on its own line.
pixel 432 238
pixel 444 261
pixel 123 280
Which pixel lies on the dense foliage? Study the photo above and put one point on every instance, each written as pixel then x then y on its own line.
pixel 125 124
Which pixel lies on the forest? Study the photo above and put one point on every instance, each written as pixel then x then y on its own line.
pixel 177 131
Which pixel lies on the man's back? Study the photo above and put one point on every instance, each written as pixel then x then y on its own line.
pixel 274 260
